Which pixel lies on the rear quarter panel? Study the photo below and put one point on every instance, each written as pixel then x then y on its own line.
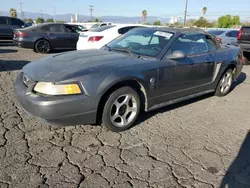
pixel 229 56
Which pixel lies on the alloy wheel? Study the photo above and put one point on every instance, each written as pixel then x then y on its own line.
pixel 123 110
pixel 226 82
pixel 43 46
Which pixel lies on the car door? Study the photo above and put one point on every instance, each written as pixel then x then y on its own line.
pixel 73 35
pixel 5 30
pixel 232 37
pixel 181 77
pixel 58 37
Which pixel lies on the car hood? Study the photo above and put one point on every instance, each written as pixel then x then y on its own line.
pixel 68 65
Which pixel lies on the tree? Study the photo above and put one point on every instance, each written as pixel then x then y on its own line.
pixel 13 12
pixel 228 21
pixel 176 24
pixel 202 22
pixel 158 22
pixel 97 20
pixel 204 11
pixel 39 20
pixel 28 20
pixel 144 16
pixel 50 20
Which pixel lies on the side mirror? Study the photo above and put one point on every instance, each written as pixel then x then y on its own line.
pixel 177 55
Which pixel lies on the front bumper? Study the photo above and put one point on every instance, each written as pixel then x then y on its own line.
pixel 64 110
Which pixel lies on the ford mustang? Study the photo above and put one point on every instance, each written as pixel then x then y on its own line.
pixel 145 69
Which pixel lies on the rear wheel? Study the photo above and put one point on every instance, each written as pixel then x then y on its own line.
pixel 225 84
pixel 42 46
pixel 121 109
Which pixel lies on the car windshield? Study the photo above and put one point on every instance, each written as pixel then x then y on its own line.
pixel 216 32
pixel 141 41
pixel 100 29
pixel 95 26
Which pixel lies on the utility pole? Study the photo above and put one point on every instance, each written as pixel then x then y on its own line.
pixel 54 13
pixel 91 11
pixel 185 15
pixel 41 13
pixel 21 9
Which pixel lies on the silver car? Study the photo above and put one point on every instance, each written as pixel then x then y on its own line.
pixel 228 37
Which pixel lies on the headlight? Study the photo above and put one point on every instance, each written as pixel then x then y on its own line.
pixel 52 89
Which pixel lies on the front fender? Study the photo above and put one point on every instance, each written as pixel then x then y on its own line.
pixel 114 79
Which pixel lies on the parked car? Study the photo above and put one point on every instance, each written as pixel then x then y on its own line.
pixel 100 25
pixel 7 25
pixel 97 38
pixel 46 37
pixel 228 37
pixel 145 69
pixel 244 42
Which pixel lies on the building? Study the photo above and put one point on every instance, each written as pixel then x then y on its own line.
pixel 76 17
pixel 174 19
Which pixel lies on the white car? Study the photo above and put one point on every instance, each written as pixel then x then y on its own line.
pixel 97 38
pixel 225 36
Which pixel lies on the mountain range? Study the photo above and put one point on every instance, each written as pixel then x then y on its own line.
pixel 83 18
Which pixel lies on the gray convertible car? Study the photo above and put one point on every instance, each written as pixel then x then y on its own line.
pixel 145 69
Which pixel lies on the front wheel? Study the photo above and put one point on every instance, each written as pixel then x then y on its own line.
pixel 225 84
pixel 42 46
pixel 121 109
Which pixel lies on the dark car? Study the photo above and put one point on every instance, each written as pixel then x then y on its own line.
pixel 145 69
pixel 244 42
pixel 7 25
pixel 46 37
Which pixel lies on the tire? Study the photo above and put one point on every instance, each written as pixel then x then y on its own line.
pixel 42 46
pixel 121 109
pixel 225 84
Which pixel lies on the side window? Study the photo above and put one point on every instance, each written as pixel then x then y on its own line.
pixel 103 25
pixel 71 29
pixel 190 44
pixel 3 20
pixel 15 21
pixel 56 28
pixel 232 34
pixel 46 29
pixel 211 45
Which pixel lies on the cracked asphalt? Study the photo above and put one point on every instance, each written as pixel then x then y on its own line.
pixel 203 143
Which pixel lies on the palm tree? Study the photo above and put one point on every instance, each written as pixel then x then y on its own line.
pixel 204 11
pixel 13 12
pixel 144 16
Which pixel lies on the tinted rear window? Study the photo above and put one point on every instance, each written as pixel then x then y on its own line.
pixel 100 29
pixel 246 29
pixel 3 20
pixel 216 32
pixel 15 21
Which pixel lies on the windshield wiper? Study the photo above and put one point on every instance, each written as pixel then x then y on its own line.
pixel 109 48
pixel 131 53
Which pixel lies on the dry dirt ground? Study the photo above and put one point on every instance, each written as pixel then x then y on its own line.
pixel 202 143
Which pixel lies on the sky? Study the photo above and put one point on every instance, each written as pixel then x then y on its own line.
pixel 159 8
